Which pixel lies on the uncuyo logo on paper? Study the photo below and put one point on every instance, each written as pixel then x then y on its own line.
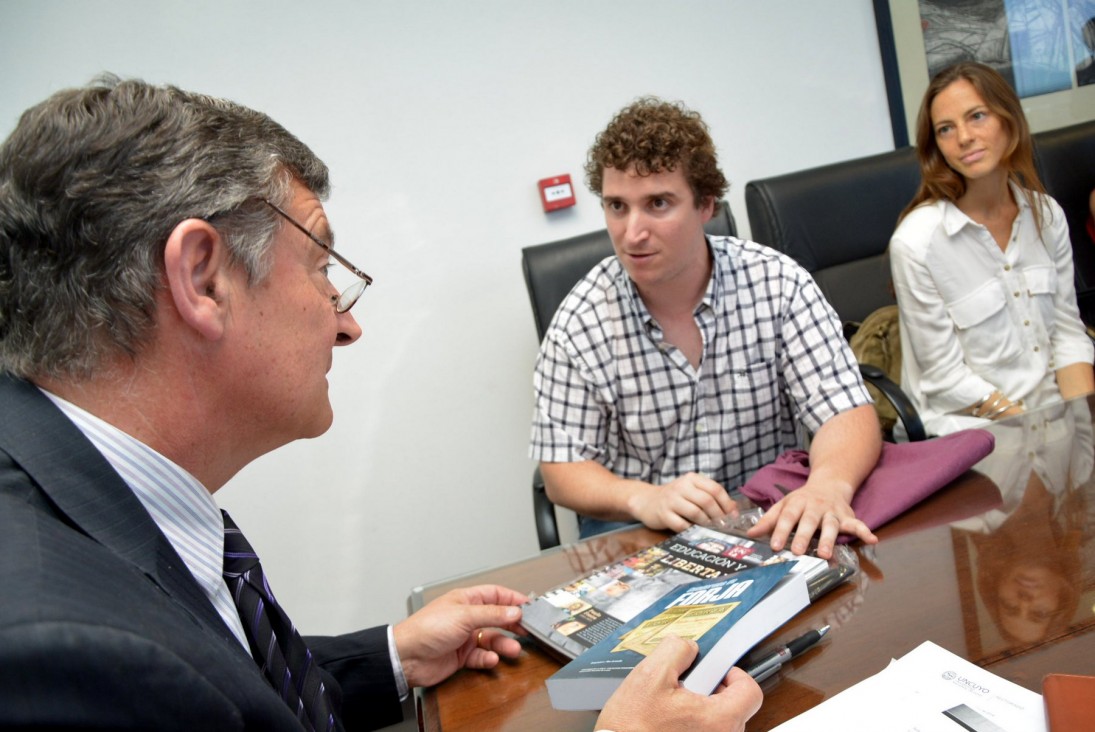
pixel 967 684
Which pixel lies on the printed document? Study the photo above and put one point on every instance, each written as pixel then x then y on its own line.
pixel 930 689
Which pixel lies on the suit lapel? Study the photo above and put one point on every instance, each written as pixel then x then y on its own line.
pixel 87 490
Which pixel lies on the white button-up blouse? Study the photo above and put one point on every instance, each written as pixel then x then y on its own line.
pixel 975 318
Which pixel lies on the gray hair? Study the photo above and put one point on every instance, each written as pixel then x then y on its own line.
pixel 93 181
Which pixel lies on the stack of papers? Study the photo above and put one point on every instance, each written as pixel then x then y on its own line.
pixel 930 689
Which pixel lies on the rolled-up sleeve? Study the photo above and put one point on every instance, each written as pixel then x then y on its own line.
pixel 1070 341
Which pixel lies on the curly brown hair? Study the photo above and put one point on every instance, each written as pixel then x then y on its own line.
pixel 937 180
pixel 657 136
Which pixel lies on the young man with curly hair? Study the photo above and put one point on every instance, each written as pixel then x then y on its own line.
pixel 678 367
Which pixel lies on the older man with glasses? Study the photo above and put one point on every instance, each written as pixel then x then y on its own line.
pixel 167 315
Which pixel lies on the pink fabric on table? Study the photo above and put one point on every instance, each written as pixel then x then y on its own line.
pixel 906 474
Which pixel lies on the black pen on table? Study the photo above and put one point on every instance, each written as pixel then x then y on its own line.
pixel 775 660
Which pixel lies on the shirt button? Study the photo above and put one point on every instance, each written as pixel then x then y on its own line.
pixel 1026 322
pixel 1007 267
pixel 700 429
pixel 1036 349
pixel 1016 293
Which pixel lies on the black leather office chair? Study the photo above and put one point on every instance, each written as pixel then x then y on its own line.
pixel 836 221
pixel 1066 164
pixel 551 272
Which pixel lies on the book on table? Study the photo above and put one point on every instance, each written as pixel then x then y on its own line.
pixel 726 617
pixel 1069 702
pixel 571 618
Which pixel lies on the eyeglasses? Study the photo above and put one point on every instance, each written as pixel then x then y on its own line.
pixel 350 294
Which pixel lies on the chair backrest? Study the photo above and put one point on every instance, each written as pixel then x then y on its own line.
pixel 836 221
pixel 553 269
pixel 1066 164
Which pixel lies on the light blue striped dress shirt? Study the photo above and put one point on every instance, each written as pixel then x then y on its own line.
pixel 179 504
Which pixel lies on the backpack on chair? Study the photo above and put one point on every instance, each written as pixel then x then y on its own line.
pixel 877 342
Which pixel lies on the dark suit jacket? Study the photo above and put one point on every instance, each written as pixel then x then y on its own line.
pixel 102 625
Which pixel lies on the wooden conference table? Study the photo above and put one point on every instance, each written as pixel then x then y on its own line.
pixel 999 568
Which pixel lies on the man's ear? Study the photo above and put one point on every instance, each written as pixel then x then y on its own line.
pixel 707 208
pixel 196 265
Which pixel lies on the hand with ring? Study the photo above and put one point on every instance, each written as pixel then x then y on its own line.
pixel 464 628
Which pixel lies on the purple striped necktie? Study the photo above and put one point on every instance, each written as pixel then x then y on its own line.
pixel 275 644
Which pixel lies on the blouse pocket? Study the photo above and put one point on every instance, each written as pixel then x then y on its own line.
pixel 1042 287
pixel 984 327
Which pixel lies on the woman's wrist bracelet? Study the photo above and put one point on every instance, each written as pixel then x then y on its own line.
pixel 1005 408
pixel 984 409
pixel 981 402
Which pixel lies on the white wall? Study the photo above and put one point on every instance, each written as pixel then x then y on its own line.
pixel 437 119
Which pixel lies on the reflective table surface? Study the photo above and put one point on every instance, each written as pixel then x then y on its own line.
pixel 998 567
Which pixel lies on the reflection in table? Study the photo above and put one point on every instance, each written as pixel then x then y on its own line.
pixel 999 568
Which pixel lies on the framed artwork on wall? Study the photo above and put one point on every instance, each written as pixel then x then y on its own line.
pixel 1045 48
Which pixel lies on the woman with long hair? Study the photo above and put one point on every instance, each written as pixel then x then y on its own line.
pixel 982 264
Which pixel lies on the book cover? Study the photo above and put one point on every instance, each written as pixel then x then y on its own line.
pixel 726 617
pixel 1070 702
pixel 571 618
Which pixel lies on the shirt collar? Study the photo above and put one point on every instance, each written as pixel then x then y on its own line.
pixel 954 219
pixel 178 503
pixel 716 286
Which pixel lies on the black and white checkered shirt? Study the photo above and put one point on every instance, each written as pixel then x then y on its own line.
pixel 610 389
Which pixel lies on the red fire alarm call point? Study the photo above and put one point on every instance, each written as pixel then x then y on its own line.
pixel 556 192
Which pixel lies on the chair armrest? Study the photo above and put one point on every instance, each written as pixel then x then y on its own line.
pixel 543 510
pixel 906 412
